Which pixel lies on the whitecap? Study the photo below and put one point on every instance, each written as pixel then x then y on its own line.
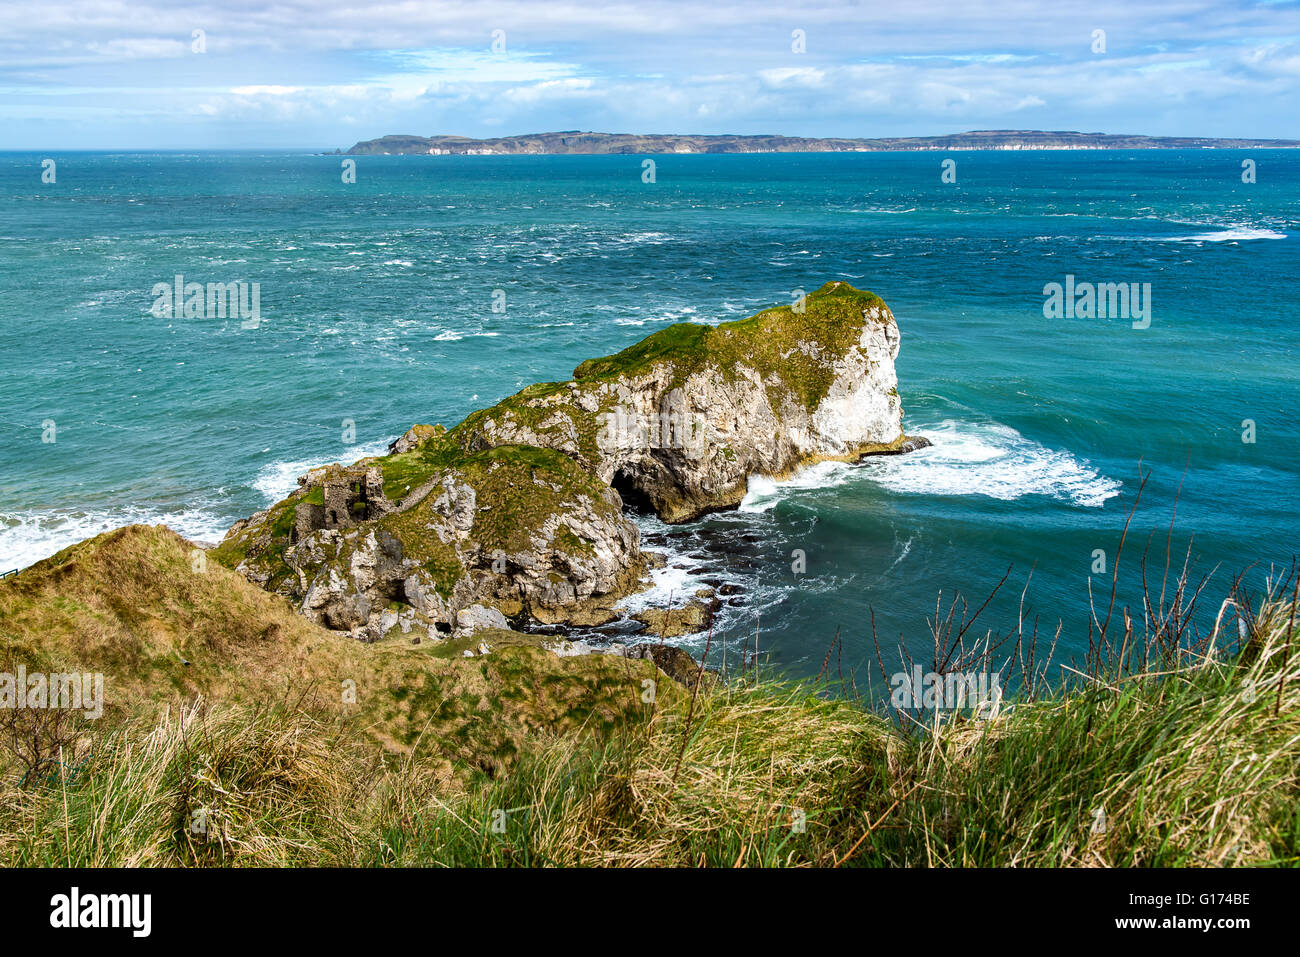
pixel 27 538
pixel 1235 235
pixel 993 460
pixel 642 238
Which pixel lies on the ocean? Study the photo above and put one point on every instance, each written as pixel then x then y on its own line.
pixel 376 308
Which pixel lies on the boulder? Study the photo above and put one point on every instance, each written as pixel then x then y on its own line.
pixel 479 617
pixel 675 662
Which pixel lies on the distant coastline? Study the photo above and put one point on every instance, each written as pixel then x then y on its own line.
pixel 577 142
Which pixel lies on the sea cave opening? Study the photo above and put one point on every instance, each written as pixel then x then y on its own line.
pixel 634 500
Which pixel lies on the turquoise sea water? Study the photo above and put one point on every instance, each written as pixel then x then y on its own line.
pixel 376 301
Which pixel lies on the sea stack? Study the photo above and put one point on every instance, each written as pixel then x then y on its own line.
pixel 519 509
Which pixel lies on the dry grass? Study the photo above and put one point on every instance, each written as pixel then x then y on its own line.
pixel 1199 767
pixel 1168 749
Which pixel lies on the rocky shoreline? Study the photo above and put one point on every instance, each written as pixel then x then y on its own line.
pixel 518 516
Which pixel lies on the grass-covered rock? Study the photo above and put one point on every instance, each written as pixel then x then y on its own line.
pixel 514 528
pixel 679 421
pixel 518 508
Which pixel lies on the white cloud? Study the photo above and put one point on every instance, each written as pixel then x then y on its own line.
pixel 806 77
pixel 138 48
pixel 550 89
pixel 323 69
pixel 265 90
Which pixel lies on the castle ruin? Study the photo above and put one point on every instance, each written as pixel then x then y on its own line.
pixel 349 496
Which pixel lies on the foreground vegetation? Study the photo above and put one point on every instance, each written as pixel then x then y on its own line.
pixel 1163 753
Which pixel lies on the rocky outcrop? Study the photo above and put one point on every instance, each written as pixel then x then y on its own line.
pixel 685 619
pixel 519 510
pixel 505 531
pixel 678 422
pixel 675 662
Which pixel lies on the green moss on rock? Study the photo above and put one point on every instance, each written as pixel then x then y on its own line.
pixel 774 343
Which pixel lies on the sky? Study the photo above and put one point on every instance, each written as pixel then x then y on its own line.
pixel 323 74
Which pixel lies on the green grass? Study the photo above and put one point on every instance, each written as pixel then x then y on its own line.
pixel 768 343
pixel 1194 765
pixel 685 343
pixel 226 742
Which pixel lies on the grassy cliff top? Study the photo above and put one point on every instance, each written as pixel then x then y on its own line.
pixel 768 342
pixel 405 472
pixel 143 607
pixel 1180 765
pixel 1194 762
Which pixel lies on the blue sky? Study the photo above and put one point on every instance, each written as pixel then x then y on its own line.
pixel 324 73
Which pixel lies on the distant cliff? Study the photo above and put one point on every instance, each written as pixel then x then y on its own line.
pixel 573 141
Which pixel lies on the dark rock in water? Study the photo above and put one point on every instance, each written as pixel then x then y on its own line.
pixel 910 444
pixel 622 628
pixel 731 546
pixel 675 662
pixel 671 622
pixel 710 601
pixel 712 582
pixel 735 602
pixel 730 589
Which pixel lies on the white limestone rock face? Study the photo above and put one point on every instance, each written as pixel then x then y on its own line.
pixel 680 430
pixel 862 406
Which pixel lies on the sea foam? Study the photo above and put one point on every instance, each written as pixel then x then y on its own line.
pixel 993 460
pixel 987 459
pixel 1238 234
pixel 30 537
